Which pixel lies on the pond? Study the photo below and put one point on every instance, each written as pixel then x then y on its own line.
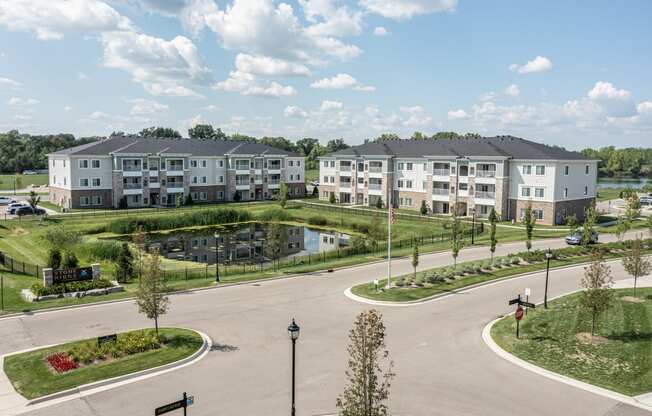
pixel 246 243
pixel 635 183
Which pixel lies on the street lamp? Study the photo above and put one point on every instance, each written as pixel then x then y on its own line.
pixel 473 227
pixel 293 330
pixel 545 293
pixel 217 258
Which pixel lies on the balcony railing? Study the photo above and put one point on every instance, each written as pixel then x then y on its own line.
pixel 174 184
pixel 131 168
pixel 376 186
pixel 375 169
pixel 345 168
pixel 274 182
pixel 486 173
pixel 485 195
pixel 132 185
pixel 441 172
pixel 175 168
pixel 242 183
pixel 440 191
pixel 345 184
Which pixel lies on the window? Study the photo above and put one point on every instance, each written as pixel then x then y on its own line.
pixel 525 192
pixel 400 165
pixel 83 163
pixel 193 163
pixel 527 170
pixel 425 166
pixel 406 202
pixel 291 177
pixel 203 163
pixel 220 163
pixel 586 190
pixel 83 181
pixel 360 181
pixel 53 162
pixel 65 180
pixel 298 163
pixel 298 177
pixel 203 179
pixel 290 163
pixel 537 214
pixel 325 163
pixel 408 166
pixel 565 192
pixel 463 186
pixel 541 170
pixel 332 163
pixel 95 163
pixel 400 184
pixel 84 201
pixel 220 179
pixel 332 179
pixel 195 197
pixel 586 169
pixel 539 192
pixel 64 163
pixel 325 179
pixel 566 170
pixel 194 179
pixel 96 182
pixel 220 195
pixel 408 184
pixel 96 200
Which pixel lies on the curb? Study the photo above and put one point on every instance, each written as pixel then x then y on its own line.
pixel 102 385
pixel 488 340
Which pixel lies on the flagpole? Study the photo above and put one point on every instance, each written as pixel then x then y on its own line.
pixel 389 239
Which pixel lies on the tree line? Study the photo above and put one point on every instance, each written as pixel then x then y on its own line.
pixel 630 162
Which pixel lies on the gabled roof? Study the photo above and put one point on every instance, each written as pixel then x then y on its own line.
pixel 499 147
pixel 195 147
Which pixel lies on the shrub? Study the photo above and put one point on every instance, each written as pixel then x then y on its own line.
pixel 188 219
pixel 100 250
pixel 39 290
pixel 400 282
pixel 70 260
pixel 127 344
pixel 318 220
pixel 54 258
pixel 274 214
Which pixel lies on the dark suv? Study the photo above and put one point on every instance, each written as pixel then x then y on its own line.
pixel 28 210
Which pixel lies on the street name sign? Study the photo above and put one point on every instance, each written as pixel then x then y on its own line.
pixel 179 404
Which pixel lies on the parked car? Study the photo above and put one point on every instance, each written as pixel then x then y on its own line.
pixel 28 210
pixel 5 200
pixel 646 200
pixel 577 237
pixel 29 172
pixel 13 206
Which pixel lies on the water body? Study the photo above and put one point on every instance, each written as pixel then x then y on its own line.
pixel 243 243
pixel 621 183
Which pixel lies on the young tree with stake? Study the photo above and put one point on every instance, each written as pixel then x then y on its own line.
pixel 150 296
pixel 457 241
pixel 415 260
pixel 636 263
pixel 368 386
pixel 590 219
pixel 528 222
pixel 493 219
pixel 597 295
pixel 283 195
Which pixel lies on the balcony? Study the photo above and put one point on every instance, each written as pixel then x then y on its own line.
pixel 128 167
pixel 376 186
pixel 485 195
pixel 440 191
pixel 132 185
pixel 375 169
pixel 345 168
pixel 441 172
pixel 485 174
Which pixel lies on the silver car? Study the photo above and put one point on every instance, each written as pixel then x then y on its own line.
pixel 577 238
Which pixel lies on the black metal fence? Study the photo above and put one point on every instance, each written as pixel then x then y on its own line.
pixel 20 267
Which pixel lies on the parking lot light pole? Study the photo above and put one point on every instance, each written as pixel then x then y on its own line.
pixel 293 330
pixel 217 258
pixel 473 226
pixel 545 293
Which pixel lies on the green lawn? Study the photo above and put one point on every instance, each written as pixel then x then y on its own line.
pixel 312 175
pixel 31 377
pixel 620 360
pixel 22 181
pixel 608 193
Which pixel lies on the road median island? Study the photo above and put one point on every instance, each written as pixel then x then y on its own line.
pixel 618 357
pixel 442 280
pixel 59 368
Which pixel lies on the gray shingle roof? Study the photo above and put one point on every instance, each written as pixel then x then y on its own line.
pixel 197 147
pixel 499 146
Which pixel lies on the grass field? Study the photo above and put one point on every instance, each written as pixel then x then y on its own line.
pixel 558 339
pixel 22 181
pixel 32 378
pixel 608 193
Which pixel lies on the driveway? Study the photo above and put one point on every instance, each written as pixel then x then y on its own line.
pixel 442 365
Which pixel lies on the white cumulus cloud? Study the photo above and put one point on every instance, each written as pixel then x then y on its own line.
pixel 513 90
pixel 292 111
pixel 248 84
pixel 22 102
pixel 9 83
pixel 265 65
pixel 331 105
pixel 51 19
pixel 457 114
pixel 340 82
pixel 380 31
pixel 606 90
pixel 143 106
pixel 405 9
pixel 538 64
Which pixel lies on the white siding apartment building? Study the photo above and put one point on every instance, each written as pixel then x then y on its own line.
pixel 475 174
pixel 156 172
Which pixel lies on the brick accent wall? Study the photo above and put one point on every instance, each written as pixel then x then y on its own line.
pixel 417 197
pixel 517 205
pixel 553 213
pixel 502 197
pixel 566 208
pixel 296 190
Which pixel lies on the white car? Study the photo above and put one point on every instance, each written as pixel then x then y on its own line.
pixel 5 200
pixel 13 206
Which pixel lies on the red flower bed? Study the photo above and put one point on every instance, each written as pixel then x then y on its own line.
pixel 61 362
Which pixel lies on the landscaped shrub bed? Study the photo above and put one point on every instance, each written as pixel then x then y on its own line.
pixel 39 290
pixel 127 344
pixel 188 219
pixel 61 362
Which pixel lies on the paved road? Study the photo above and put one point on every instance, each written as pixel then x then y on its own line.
pixel 442 365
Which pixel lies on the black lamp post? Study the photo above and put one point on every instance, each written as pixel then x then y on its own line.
pixel 293 330
pixel 217 258
pixel 545 293
pixel 473 227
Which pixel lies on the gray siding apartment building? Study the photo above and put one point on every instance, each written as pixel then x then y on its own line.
pixel 157 171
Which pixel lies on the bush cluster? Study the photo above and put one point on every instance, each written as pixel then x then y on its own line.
pixel 318 220
pixel 187 219
pixel 127 344
pixel 39 290
pixel 100 250
pixel 274 214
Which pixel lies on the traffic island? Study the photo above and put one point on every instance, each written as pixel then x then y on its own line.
pixel 432 283
pixel 62 368
pixel 617 357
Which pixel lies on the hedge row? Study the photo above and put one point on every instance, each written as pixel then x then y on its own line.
pixel 39 290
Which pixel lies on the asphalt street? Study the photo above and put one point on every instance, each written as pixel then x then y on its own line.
pixel 443 367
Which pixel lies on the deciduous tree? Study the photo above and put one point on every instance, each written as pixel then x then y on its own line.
pixel 369 372
pixel 636 263
pixel 457 236
pixel 493 240
pixel 34 199
pixel 150 296
pixel 283 195
pixel 415 259
pixel 124 267
pixel 590 219
pixel 597 295
pixel 528 222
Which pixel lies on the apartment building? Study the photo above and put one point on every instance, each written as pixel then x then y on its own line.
pixel 475 175
pixel 156 172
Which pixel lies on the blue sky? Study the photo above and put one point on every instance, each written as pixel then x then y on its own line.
pixel 575 74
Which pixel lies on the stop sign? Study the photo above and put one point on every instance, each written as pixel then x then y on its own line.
pixel 519 313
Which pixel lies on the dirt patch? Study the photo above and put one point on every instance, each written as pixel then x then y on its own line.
pixel 18 231
pixel 632 299
pixel 587 338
